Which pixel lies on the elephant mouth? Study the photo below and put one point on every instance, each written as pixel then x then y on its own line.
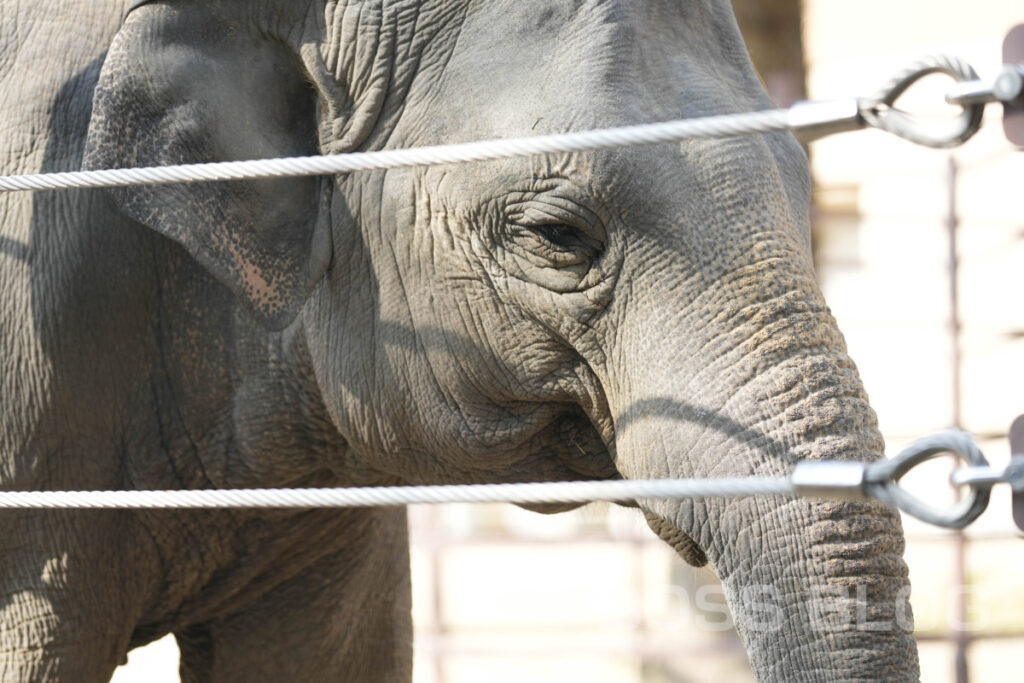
pixel 572 450
pixel 579 447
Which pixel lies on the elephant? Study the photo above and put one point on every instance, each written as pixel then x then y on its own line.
pixel 641 312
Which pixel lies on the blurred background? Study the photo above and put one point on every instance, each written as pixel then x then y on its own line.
pixel 501 594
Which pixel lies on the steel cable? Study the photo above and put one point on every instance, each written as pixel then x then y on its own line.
pixel 545 492
pixel 876 111
pixel 726 125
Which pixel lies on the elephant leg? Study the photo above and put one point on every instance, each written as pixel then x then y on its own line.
pixel 67 609
pixel 346 617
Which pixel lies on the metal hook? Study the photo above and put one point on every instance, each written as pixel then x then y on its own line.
pixel 879 112
pixel 882 480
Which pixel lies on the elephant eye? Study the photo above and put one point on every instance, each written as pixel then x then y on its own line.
pixel 559 244
pixel 563 236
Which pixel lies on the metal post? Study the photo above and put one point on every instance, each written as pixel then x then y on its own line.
pixel 959 636
pixel 437 625
pixel 641 637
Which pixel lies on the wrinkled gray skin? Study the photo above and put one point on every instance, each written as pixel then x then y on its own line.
pixel 647 312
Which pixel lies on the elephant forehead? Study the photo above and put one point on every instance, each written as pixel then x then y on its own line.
pixel 531 67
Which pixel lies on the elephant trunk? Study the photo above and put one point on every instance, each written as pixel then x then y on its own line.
pixel 818 590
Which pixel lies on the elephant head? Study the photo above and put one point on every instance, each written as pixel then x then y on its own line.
pixel 645 312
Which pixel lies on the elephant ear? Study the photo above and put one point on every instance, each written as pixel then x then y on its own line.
pixel 190 83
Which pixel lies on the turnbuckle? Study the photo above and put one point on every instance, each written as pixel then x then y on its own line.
pixel 811 120
pixel 828 479
pixel 880 480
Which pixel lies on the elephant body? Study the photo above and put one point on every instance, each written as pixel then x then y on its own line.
pixel 636 313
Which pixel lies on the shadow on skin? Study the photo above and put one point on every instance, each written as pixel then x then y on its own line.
pixel 434 338
pixel 14 249
pixel 672 409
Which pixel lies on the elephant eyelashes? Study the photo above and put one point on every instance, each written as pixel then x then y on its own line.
pixel 557 252
pixel 559 235
pixel 554 232
pixel 563 245
pixel 557 244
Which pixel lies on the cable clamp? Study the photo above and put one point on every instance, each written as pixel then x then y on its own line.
pixel 810 120
pixel 830 479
